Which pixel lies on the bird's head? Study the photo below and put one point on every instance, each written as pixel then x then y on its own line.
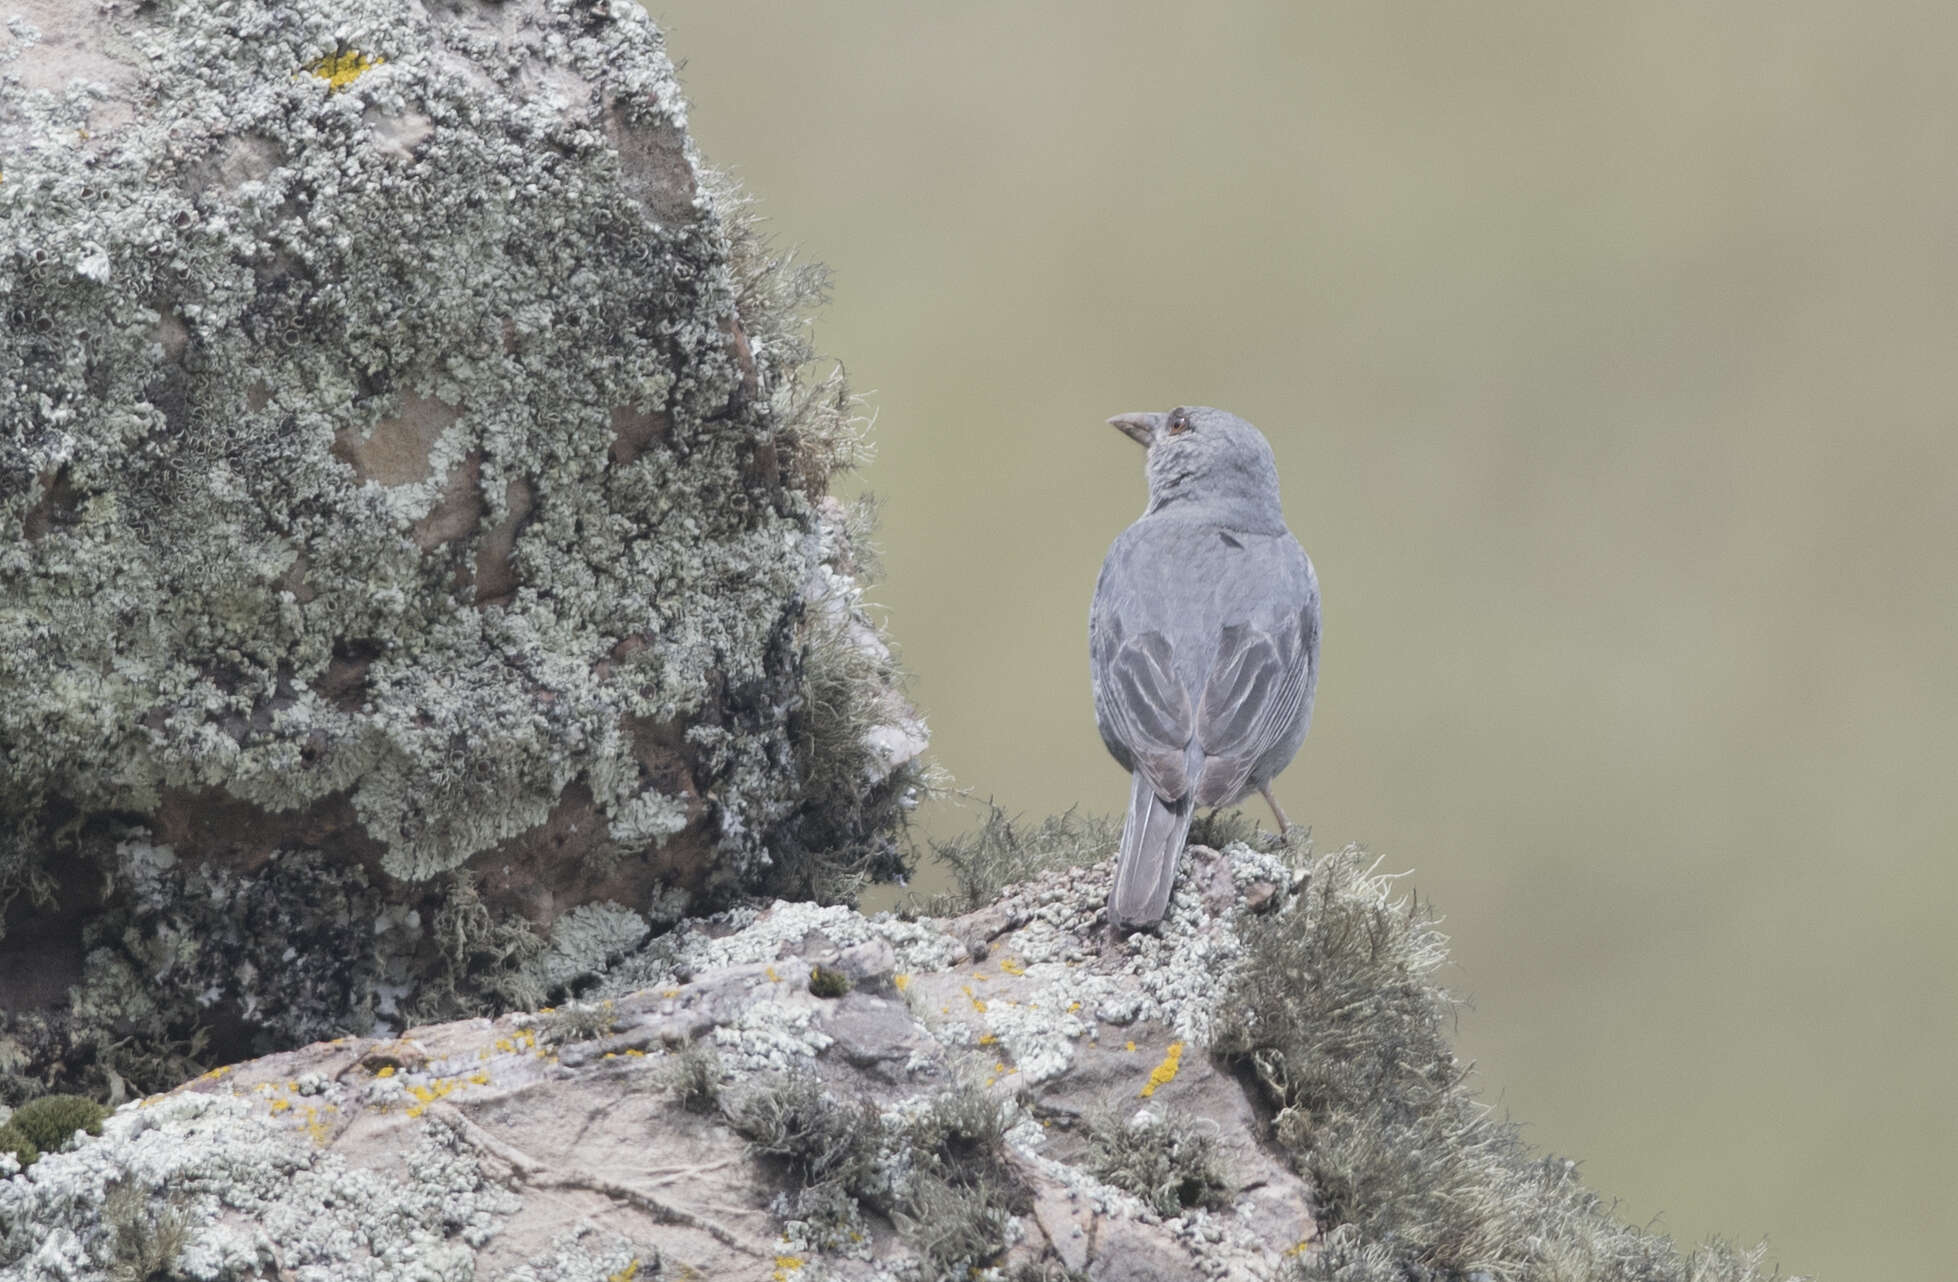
pixel 1208 457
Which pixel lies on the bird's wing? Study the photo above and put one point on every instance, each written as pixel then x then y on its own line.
pixel 1252 700
pixel 1148 711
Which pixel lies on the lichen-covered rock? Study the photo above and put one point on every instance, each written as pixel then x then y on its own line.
pixel 410 501
pixel 953 1107
pixel 1006 1095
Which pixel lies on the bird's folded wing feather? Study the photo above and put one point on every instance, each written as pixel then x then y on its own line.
pixel 1149 710
pixel 1252 700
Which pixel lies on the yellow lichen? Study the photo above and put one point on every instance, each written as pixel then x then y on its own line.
pixel 428 1094
pixel 1013 966
pixel 385 1070
pixel 626 1274
pixel 785 1265
pixel 280 1105
pixel 1130 1047
pixel 978 1003
pixel 902 981
pixel 1164 1073
pixel 341 69
pixel 314 1127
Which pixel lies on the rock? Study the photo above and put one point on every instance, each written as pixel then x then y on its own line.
pixel 414 561
pixel 498 1150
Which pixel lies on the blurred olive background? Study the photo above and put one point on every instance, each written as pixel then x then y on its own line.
pixel 1610 354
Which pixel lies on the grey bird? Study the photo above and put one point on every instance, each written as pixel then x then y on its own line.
pixel 1203 643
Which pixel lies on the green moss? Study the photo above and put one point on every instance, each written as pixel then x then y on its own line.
pixel 45 1124
pixel 826 982
pixel 16 1141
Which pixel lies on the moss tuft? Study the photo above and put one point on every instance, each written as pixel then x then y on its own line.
pixel 576 1022
pixel 1219 828
pixel 825 982
pixel 1005 849
pixel 1336 1012
pixel 1170 1162
pixel 964 1194
pixel 816 1139
pixel 50 1120
pixel 693 1075
pixel 145 1241
pixel 14 1140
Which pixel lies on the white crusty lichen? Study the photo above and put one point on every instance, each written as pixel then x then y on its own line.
pixel 255 1200
pixel 378 418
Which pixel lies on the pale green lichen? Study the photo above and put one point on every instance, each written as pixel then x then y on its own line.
pixel 217 312
pixel 281 372
pixel 584 942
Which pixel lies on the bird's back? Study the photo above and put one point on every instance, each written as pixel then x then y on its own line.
pixel 1188 578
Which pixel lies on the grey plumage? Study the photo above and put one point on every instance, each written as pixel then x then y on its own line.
pixel 1203 642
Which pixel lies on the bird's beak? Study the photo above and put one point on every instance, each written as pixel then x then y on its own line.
pixel 1140 428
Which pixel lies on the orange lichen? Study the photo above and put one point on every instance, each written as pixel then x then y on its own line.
pixel 1164 1073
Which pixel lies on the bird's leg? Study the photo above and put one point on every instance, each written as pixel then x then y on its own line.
pixel 1284 824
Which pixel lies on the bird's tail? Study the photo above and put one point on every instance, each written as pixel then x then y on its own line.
pixel 1152 846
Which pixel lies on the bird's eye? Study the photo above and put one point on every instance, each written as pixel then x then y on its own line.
pixel 1179 423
